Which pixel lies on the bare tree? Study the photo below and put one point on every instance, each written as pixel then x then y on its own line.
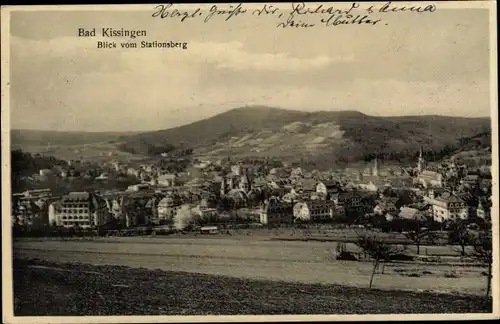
pixel 378 250
pixel 419 234
pixel 483 252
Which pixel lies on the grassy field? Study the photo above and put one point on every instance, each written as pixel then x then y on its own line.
pixel 305 262
pixel 91 151
pixel 44 288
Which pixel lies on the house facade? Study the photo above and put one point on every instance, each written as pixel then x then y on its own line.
pixel 276 212
pixel 82 209
pixel 448 207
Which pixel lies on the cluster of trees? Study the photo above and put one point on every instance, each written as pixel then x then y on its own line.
pixel 173 164
pixel 429 154
pixel 24 163
pixel 141 147
pixel 380 250
pixel 481 140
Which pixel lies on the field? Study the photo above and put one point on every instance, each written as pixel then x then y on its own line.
pixel 90 151
pixel 261 259
pixel 45 288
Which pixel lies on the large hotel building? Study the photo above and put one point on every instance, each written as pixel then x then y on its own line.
pixel 83 209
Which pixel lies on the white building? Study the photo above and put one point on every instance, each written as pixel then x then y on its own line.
pixel 83 209
pixel 317 210
pixel 167 180
pixel 167 208
pixel 430 179
pixel 236 169
pixel 448 207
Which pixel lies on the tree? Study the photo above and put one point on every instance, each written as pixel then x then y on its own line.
pixel 461 235
pixel 483 252
pixel 378 250
pixel 418 234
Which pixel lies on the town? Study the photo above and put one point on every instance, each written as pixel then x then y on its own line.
pixel 265 193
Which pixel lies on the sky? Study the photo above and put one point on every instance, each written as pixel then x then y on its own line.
pixel 412 64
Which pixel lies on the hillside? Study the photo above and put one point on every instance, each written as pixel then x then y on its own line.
pixel 323 135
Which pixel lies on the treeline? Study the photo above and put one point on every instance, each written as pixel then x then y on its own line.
pixel 406 155
pixel 481 140
pixel 26 164
pixel 144 148
pixel 174 165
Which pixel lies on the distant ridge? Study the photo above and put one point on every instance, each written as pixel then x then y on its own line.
pixel 21 137
pixel 345 134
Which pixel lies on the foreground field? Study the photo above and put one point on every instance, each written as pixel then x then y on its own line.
pixel 305 262
pixel 55 289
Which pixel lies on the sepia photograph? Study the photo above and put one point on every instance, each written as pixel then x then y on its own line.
pixel 233 161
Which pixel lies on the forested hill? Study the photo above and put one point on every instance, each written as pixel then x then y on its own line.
pixel 338 135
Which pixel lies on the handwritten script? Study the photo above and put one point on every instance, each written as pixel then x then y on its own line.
pixel 297 15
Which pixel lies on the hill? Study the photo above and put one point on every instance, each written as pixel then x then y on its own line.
pixel 323 135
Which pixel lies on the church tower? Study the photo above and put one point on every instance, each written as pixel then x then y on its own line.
pixel 375 168
pixel 223 186
pixel 421 162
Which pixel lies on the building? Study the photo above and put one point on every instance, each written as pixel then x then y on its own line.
pixel 374 185
pixel 483 212
pixel 471 178
pixel 375 170
pixel 46 172
pixel 328 188
pixel 314 211
pixel 297 173
pixel 236 169
pixel 206 215
pixel 245 184
pixel 433 193
pixel 411 214
pixel 249 215
pixel 304 188
pixel 275 211
pixel 448 206
pixel 82 209
pixel 228 183
pixel 152 205
pixel 167 180
pixel 384 207
pixel 349 200
pixel 167 208
pixel 54 209
pixel 430 179
pixel 137 209
pixel 209 230
pixel 30 213
pixel 36 193
pixel 421 162
pixel 139 187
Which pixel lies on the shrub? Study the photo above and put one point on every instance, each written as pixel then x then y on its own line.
pixel 346 256
pixel 451 274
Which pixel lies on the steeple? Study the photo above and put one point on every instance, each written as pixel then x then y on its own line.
pixel 375 168
pixel 421 161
